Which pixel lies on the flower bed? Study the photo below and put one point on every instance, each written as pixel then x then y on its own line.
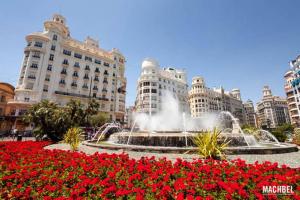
pixel 29 171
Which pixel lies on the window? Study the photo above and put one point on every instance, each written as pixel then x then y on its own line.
pixel 94 95
pixel 97 70
pixel 67 52
pixel 29 44
pixel 65 62
pixel 62 81
pixel 87 68
pixel 49 68
pixel 88 58
pixel 47 78
pixel 74 84
pixel 54 37
pixel 106 64
pixel 36 54
pixel 97 61
pixel 75 74
pixel 77 55
pixel 85 86
pixel 86 76
pixel 77 64
pixel 45 89
pixel 26 99
pixel 51 57
pixel 38 44
pixel 53 47
pixel 64 71
pixel 34 65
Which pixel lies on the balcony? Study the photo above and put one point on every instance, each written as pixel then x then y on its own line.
pixel 95 88
pixel 87 68
pixel 31 77
pixel 105 81
pixel 96 79
pixel 97 70
pixel 74 85
pixel 86 77
pixel 104 90
pixel 34 66
pixel 85 87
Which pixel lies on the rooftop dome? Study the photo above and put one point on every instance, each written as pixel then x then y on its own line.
pixel 149 63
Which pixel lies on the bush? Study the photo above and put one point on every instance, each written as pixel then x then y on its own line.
pixel 280 136
pixel 208 144
pixel 72 137
pixel 99 119
pixel 281 132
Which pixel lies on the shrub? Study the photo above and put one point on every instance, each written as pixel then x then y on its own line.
pixel 280 136
pixel 208 144
pixel 72 137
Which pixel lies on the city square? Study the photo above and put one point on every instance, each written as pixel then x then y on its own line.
pixel 78 121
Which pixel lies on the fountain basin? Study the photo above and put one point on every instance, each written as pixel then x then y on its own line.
pixel 170 138
pixel 268 149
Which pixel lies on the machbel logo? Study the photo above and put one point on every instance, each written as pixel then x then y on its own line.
pixel 278 189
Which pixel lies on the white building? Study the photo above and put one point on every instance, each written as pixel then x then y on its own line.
pixel 206 100
pixel 59 68
pixel 272 110
pixel 292 90
pixel 154 82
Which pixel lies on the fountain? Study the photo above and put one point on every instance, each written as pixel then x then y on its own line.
pixel 172 131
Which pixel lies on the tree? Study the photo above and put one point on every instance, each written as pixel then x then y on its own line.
pixel 99 119
pixel 48 119
pixel 76 112
pixel 92 109
pixel 281 132
pixel 53 120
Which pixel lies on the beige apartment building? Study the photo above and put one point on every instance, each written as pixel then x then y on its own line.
pixel 272 110
pixel 204 100
pixel 59 68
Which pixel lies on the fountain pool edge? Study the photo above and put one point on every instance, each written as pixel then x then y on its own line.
pixel 286 148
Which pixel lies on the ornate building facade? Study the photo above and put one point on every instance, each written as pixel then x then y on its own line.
pixel 204 100
pixel 59 68
pixel 272 110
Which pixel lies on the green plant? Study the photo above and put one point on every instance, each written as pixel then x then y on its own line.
pixel 281 132
pixel 99 119
pixel 208 144
pixel 72 137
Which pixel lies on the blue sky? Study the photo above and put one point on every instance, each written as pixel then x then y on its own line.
pixel 236 44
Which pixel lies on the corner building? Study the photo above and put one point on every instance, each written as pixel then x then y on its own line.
pixel 154 82
pixel 59 68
